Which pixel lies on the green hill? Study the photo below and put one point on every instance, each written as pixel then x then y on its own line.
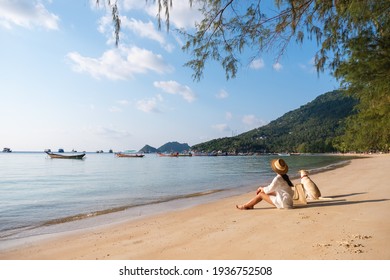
pixel 169 147
pixel 174 147
pixel 311 128
pixel 148 150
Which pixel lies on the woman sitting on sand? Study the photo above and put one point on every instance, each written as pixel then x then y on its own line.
pixel 278 193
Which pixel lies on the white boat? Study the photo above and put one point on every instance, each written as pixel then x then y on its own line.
pixel 64 156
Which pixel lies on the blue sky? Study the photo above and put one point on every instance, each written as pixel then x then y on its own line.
pixel 64 84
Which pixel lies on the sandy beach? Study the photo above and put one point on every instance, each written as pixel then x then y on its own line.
pixel 355 225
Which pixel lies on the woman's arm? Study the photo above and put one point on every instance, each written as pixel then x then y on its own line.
pixel 271 187
pixel 259 190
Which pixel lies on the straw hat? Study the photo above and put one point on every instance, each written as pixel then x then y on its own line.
pixel 279 166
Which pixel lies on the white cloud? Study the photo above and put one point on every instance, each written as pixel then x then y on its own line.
pixel 222 94
pixel 134 4
pixel 174 87
pixel 148 105
pixel 257 64
pixel 252 121
pixel 146 30
pixel 121 63
pixel 105 24
pixel 184 16
pixel 143 29
pixel 223 127
pixel 95 6
pixel 27 14
pixel 181 14
pixel 123 5
pixel 277 66
pixel 137 27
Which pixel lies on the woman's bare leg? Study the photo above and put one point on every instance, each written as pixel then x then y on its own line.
pixel 251 203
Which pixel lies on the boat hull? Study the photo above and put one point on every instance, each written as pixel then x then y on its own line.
pixel 175 155
pixel 62 156
pixel 129 155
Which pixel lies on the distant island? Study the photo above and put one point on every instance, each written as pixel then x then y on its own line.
pixel 170 147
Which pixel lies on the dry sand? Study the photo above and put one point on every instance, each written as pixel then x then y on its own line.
pixel 354 225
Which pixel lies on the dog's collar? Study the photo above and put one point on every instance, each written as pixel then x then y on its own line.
pixel 304 176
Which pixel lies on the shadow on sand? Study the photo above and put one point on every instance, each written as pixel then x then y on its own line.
pixel 337 202
pixel 334 201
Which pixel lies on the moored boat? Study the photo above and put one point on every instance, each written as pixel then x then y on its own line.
pixel 125 155
pixel 168 155
pixel 175 155
pixel 185 155
pixel 65 156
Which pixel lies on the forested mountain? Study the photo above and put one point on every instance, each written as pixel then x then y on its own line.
pixel 169 147
pixel 313 128
pixel 148 150
pixel 174 147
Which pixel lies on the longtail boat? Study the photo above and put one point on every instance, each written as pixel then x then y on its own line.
pixel 124 155
pixel 175 155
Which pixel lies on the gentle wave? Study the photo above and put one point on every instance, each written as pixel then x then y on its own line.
pixel 125 207
pixel 329 167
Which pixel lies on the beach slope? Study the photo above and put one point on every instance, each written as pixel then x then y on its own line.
pixel 354 225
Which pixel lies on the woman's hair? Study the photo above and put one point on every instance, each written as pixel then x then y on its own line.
pixel 287 179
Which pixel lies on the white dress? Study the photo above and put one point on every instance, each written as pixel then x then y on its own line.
pixel 283 192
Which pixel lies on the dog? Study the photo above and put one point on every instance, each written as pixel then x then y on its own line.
pixel 311 190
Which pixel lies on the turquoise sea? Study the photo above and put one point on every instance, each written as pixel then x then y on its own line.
pixel 39 195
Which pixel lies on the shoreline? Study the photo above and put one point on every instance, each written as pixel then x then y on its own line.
pixel 337 229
